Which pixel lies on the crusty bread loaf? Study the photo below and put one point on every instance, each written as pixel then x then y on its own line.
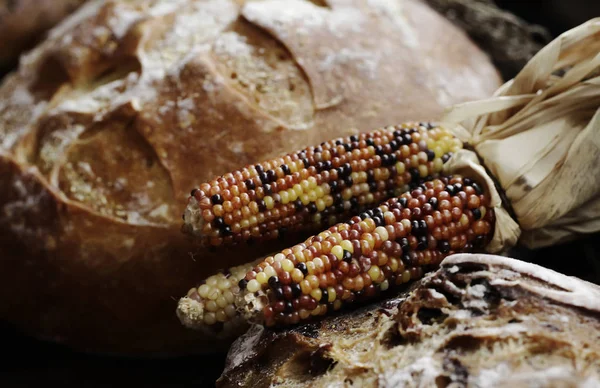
pixel 479 321
pixel 23 22
pixel 128 105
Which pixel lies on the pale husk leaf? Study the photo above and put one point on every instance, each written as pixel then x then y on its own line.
pixel 539 137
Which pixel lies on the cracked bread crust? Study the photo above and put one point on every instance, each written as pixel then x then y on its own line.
pixel 127 105
pixel 480 321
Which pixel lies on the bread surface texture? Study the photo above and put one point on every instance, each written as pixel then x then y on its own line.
pixel 108 124
pixel 479 321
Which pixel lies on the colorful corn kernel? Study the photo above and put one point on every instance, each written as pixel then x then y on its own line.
pixel 211 305
pixel 389 245
pixel 318 186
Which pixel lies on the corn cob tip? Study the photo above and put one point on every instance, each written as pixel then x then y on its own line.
pixel 318 186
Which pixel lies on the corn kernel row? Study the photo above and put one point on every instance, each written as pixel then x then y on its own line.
pixel 389 245
pixel 318 186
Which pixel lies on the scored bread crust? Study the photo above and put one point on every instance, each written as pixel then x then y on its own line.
pixel 126 106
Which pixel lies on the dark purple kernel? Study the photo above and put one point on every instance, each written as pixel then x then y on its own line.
pixel 250 184
pixel 302 268
pixel 216 199
pixel 285 169
pixel 324 296
pixel 242 284
pixel 476 214
pixel 444 246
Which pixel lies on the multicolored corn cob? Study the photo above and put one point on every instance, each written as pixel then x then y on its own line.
pixel 386 246
pixel 318 186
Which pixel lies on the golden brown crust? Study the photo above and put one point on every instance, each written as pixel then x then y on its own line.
pixel 128 105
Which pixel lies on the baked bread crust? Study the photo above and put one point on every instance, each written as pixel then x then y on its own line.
pixel 479 321
pixel 126 106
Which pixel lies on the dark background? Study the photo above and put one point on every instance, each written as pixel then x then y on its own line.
pixel 29 363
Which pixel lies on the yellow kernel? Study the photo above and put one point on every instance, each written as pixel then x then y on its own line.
pixel 213 294
pixel 305 200
pixel 253 220
pixel 312 196
pixel 337 304
pixel 222 302
pixel 203 290
pixel 383 259
pixel 384 285
pixel 319 191
pixel 210 318
pixel 253 285
pixel 382 232
pixel 369 198
pixel 438 165
pixel 347 194
pixel 218 210
pixel 317 294
pixel 364 187
pixel 312 181
pixel 244 224
pixel 304 313
pixel 347 245
pixel 299 255
pixel 269 203
pixel 211 305
pixel 482 209
pixel 331 294
pixel 400 168
pixel 338 252
pixel 464 220
pixel 310 266
pixel 224 284
pixel 405 276
pixel 297 275
pixel 230 311
pixel 292 194
pixel 326 188
pixel 318 262
pixel 229 297
pixel 328 200
pixel 439 151
pixel 320 205
pixel 414 161
pixel 262 278
pixel 287 265
pixel 297 189
pixel 285 198
pixel 337 237
pixel 393 263
pixel 212 281
pixel 313 281
pixel 305 287
pixel 305 185
pixel 270 271
pixel 374 272
pixel 423 171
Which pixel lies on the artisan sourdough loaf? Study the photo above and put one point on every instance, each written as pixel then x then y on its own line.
pixel 127 105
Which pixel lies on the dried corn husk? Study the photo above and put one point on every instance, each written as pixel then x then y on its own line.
pixel 539 138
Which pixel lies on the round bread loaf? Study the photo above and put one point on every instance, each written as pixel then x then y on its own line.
pixel 23 22
pixel 126 106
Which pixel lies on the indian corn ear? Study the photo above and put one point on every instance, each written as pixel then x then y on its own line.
pixel 317 187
